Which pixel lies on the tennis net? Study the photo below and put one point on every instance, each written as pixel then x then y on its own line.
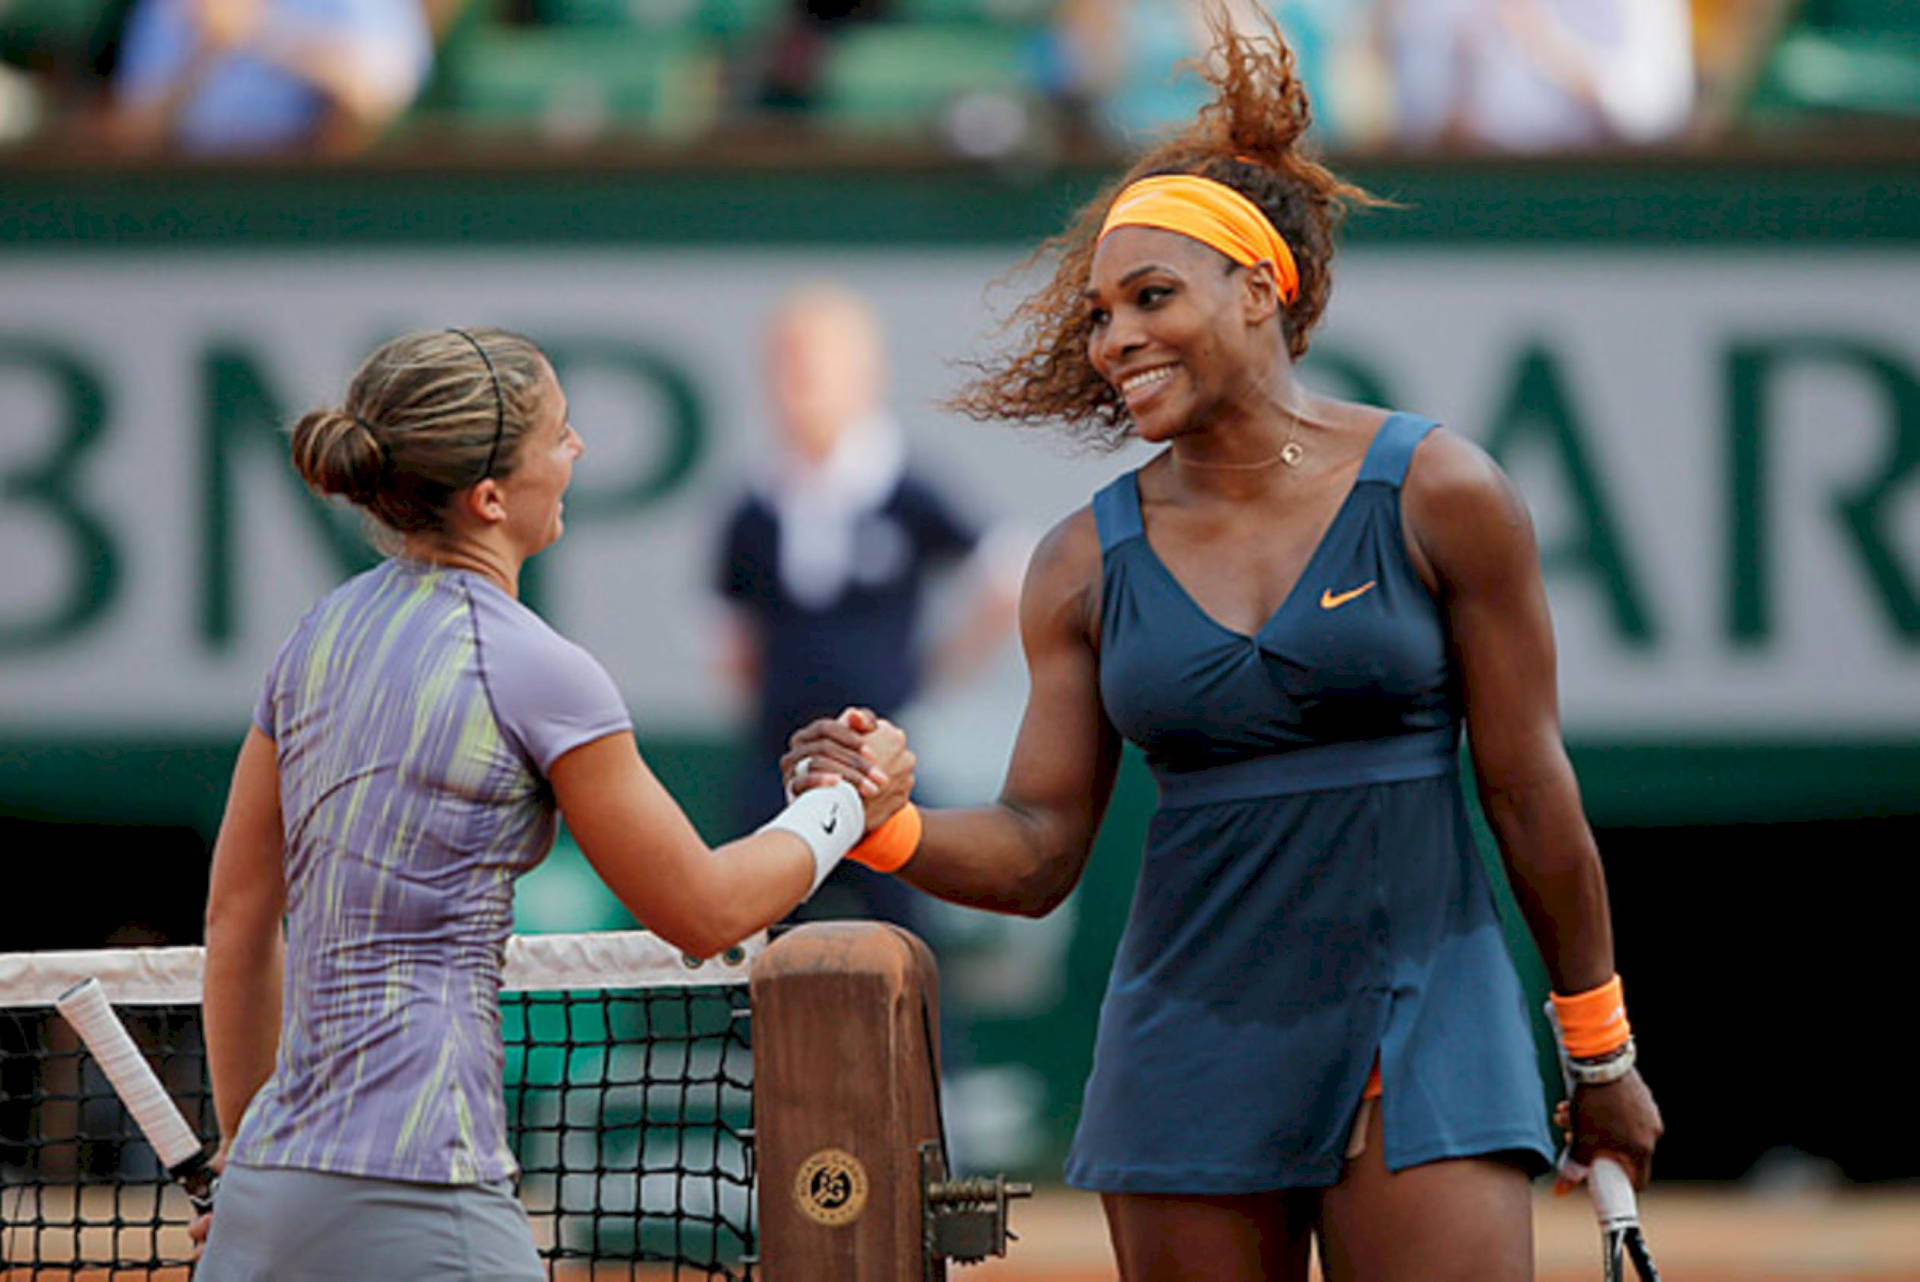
pixel 628 1090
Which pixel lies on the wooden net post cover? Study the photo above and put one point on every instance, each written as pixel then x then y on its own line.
pixel 845 1051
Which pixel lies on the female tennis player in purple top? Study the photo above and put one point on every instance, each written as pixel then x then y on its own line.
pixel 418 736
pixel 1312 1027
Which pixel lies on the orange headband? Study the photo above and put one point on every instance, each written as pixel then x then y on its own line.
pixel 1213 214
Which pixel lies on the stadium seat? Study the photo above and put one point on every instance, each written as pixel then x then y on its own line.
pixel 1845 74
pixel 1846 57
pixel 1882 15
pixel 896 79
pixel 628 15
pixel 978 11
pixel 583 80
pixel 727 19
pixel 733 19
pixel 31 30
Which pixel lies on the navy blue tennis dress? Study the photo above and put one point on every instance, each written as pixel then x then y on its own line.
pixel 1310 893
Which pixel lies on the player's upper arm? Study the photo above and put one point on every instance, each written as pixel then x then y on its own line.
pixel 1466 520
pixel 548 694
pixel 1067 752
pixel 561 707
pixel 634 834
pixel 246 889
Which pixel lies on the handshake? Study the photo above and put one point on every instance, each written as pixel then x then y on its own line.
pixel 870 753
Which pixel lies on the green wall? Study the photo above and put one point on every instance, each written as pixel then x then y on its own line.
pixel 1783 200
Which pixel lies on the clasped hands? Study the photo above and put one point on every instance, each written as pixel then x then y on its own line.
pixel 866 750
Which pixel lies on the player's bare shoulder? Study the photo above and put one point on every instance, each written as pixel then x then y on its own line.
pixel 1061 594
pixel 1453 484
pixel 1462 513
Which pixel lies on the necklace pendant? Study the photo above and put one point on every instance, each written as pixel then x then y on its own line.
pixel 1291 453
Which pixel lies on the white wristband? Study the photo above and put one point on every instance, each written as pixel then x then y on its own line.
pixel 830 820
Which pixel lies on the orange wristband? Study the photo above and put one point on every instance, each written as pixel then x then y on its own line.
pixel 1593 1023
pixel 888 847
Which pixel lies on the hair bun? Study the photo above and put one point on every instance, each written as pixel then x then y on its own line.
pixel 336 453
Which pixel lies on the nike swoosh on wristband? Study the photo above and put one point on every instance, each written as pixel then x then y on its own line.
pixel 828 824
pixel 1331 600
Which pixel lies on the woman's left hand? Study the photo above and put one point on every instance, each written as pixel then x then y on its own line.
pixel 888 745
pixel 1618 1119
pixel 838 746
pixel 202 1224
pixel 197 1229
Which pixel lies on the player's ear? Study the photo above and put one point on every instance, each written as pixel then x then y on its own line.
pixel 1259 293
pixel 483 502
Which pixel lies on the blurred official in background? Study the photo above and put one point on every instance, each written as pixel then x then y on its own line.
pixel 826 564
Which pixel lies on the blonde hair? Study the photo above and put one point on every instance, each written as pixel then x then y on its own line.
pixel 426 415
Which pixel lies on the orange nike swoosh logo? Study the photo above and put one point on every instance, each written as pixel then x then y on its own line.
pixel 1331 600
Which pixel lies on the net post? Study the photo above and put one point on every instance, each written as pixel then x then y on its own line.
pixel 845 1087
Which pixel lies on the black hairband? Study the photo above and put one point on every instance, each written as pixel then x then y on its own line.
pixel 499 402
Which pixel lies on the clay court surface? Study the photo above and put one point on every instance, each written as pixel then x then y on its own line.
pixel 1698 1235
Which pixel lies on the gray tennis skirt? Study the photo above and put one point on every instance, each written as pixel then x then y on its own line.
pixel 275 1225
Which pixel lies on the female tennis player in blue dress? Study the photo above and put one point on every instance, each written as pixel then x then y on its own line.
pixel 1312 1026
pixel 416 735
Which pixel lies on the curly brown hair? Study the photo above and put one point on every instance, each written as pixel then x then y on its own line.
pixel 1248 138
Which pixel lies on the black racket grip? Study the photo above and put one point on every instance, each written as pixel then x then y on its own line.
pixel 197 1176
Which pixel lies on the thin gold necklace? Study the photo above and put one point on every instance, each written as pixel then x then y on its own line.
pixel 1290 453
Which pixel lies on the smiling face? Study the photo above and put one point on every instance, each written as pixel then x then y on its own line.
pixel 1175 329
pixel 543 467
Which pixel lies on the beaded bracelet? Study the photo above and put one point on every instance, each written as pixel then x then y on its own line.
pixel 1608 1068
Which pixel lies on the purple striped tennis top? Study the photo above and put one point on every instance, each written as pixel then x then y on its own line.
pixel 415 713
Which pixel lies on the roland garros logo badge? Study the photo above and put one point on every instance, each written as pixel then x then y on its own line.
pixel 831 1187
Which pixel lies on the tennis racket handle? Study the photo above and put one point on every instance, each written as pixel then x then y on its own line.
pixel 197 1176
pixel 85 1007
pixel 1612 1191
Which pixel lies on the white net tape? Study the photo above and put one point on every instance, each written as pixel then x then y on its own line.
pixel 535 963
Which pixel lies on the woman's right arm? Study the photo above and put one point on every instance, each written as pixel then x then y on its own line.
pixel 644 847
pixel 246 895
pixel 1024 853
